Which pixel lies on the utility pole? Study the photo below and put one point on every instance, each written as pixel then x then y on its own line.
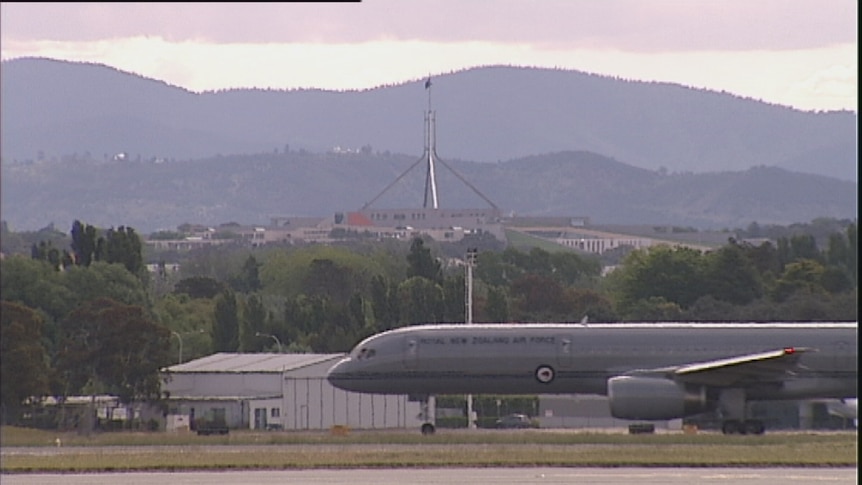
pixel 471 260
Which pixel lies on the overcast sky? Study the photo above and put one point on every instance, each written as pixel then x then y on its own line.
pixel 801 53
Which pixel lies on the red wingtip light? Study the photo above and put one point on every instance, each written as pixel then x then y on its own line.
pixel 789 350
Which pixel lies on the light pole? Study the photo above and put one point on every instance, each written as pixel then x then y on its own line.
pixel 277 341
pixel 471 260
pixel 180 338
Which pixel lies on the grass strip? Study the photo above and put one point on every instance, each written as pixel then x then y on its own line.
pixel 795 450
pixel 25 437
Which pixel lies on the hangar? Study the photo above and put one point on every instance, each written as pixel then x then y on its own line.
pixel 276 391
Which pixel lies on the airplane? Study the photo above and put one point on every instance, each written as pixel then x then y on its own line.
pixel 655 371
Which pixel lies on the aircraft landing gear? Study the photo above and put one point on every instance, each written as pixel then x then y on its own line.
pixel 732 404
pixel 748 426
pixel 427 407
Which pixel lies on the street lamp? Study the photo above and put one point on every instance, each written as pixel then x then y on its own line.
pixel 471 260
pixel 277 341
pixel 180 338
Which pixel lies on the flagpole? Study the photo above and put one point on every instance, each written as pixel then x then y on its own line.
pixel 428 88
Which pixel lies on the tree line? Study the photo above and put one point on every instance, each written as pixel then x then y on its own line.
pixel 91 319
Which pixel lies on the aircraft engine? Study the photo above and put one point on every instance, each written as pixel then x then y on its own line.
pixel 654 398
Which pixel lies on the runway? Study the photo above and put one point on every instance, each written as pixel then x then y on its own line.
pixel 496 476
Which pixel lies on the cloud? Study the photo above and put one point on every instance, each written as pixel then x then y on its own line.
pixel 795 52
pixel 835 83
pixel 630 25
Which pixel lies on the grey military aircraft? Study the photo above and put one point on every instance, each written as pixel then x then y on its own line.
pixel 648 371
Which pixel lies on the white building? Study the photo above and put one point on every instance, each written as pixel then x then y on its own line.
pixel 278 391
pixel 599 245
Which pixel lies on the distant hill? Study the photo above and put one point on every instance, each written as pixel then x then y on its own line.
pixel 53 108
pixel 250 189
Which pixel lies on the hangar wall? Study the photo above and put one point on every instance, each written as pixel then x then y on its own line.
pixel 279 391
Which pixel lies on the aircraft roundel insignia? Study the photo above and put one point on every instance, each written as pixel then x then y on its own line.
pixel 545 374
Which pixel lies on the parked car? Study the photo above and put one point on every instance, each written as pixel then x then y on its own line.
pixel 515 421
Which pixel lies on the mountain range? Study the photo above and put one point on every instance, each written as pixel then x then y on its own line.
pixel 487 114
pixel 253 188
pixel 89 142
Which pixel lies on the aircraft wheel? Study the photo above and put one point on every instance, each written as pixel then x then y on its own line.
pixel 427 429
pixel 754 426
pixel 732 426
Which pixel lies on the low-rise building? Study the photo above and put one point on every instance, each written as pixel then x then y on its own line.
pixel 277 391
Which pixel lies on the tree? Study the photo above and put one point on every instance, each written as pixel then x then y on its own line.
pixel 800 246
pixel 580 303
pixel 455 298
pixel 841 258
pixel 569 268
pixel 217 261
pixel 23 358
pixel 45 251
pixel 226 324
pixel 420 263
pixel 497 308
pixel 287 272
pixel 421 300
pixel 655 309
pixel 36 285
pixel 539 262
pixel 804 246
pixel 675 275
pixel 764 258
pixel 86 245
pixel 254 320
pixel 327 278
pixel 836 279
pixel 802 275
pixel 101 279
pixel 356 313
pixel 853 253
pixel 495 270
pixel 304 316
pixel 248 279
pixel 709 309
pixel 536 298
pixel 192 318
pixel 199 287
pixel 124 246
pixel 108 346
pixel 731 277
pixel 385 316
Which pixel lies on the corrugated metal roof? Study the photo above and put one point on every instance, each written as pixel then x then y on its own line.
pixel 196 397
pixel 240 363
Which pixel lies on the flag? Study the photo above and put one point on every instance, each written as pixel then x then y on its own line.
pixel 428 83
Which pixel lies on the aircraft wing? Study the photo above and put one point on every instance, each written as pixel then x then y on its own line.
pixel 845 408
pixel 742 370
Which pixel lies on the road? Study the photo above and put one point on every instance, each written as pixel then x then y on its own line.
pixel 496 476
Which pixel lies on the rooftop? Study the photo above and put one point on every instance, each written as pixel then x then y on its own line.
pixel 259 362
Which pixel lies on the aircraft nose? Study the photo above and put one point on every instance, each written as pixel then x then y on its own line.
pixel 338 375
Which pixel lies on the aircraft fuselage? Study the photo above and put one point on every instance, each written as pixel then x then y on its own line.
pixel 578 358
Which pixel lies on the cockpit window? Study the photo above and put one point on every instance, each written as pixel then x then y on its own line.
pixel 366 353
